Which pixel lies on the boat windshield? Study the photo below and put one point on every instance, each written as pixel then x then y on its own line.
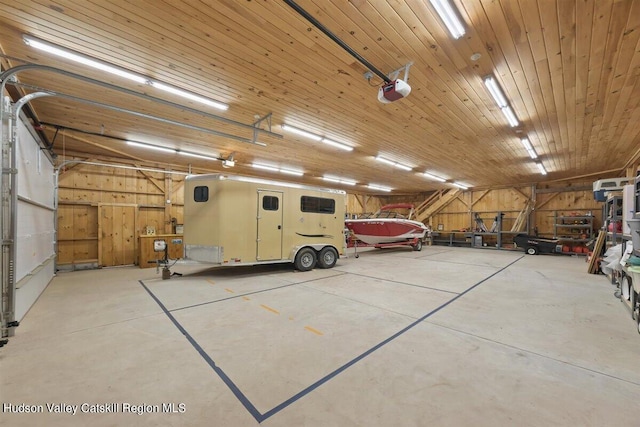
pixel 382 214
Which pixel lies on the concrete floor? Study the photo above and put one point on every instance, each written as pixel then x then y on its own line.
pixel 442 337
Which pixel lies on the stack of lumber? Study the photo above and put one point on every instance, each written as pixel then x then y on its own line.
pixel 521 220
pixel 597 253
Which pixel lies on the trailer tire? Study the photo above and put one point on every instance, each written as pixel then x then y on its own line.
pixel 305 259
pixel 327 257
pixel 633 300
pixel 532 250
pixel 418 246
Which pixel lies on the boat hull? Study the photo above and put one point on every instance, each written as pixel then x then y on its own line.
pixel 377 231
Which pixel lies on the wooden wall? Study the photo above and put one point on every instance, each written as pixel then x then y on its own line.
pixel 102 211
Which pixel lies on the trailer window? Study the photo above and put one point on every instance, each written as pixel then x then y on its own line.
pixel 270 203
pixel 317 205
pixel 201 193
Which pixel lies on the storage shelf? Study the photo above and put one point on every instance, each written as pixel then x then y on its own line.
pixel 573 230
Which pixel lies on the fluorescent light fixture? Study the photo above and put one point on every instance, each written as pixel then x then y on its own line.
pixel 383 160
pixel 511 117
pixel 338 180
pixel 529 148
pixel 543 171
pixel 199 156
pixel 109 68
pixel 457 184
pixel 379 187
pixel 431 176
pixel 265 167
pixel 392 163
pixel 315 137
pixel 495 91
pixel 449 17
pixel 337 144
pixel 152 147
pixel 301 132
pixel 82 59
pixel 189 95
pixel 291 172
pixel 266 181
pixel 277 169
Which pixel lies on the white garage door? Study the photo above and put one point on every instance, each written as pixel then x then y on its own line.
pixel 35 246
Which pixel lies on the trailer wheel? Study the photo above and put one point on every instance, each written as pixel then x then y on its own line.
pixel 633 297
pixel 532 250
pixel 417 246
pixel 327 258
pixel 305 259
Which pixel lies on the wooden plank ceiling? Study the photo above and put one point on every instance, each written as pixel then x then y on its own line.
pixel 569 69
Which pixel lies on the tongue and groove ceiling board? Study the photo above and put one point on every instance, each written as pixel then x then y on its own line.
pixel 569 69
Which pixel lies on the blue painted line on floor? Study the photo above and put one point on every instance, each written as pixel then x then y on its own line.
pixel 234 389
pixel 255 292
pixel 341 369
pixel 245 401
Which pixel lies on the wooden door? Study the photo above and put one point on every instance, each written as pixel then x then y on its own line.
pixel 117 234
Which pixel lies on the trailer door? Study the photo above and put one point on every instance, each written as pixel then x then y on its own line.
pixel 269 225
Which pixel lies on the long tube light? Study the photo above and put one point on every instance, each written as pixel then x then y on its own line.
pixel 529 148
pixel 338 180
pixel 495 91
pixel 337 144
pixel 543 171
pixel 449 17
pixel 277 169
pixel 511 117
pixel 265 167
pixel 301 132
pixel 315 137
pixel 189 95
pixel 170 150
pixel 379 187
pixel 431 176
pixel 152 147
pixel 112 69
pixel 462 186
pixel 392 163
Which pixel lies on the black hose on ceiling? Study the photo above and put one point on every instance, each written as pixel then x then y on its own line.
pixel 335 38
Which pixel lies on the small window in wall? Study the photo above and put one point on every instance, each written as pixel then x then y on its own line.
pixel 201 193
pixel 317 205
pixel 270 203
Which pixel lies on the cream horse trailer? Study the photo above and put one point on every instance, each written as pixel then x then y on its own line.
pixel 236 220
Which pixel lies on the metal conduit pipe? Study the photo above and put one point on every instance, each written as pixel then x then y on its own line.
pixel 143 115
pixel 5 76
pixel 335 38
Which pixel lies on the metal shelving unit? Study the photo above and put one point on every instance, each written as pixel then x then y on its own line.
pixel 573 229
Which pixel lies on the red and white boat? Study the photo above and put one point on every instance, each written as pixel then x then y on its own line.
pixel 387 226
